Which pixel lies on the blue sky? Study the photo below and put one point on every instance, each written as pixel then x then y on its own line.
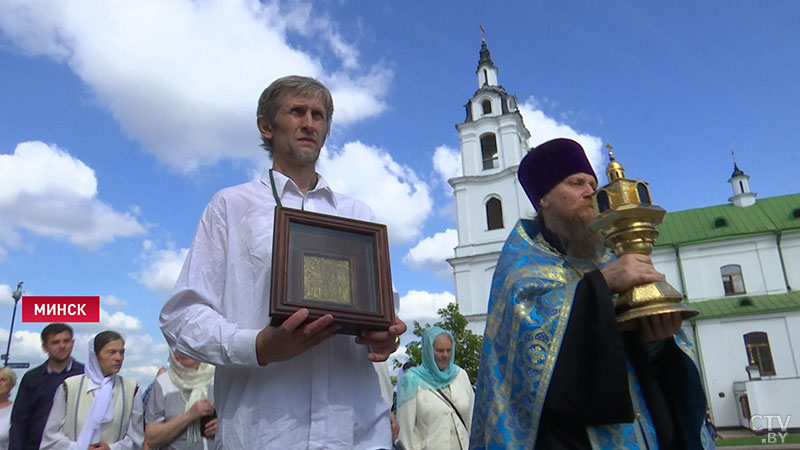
pixel 119 120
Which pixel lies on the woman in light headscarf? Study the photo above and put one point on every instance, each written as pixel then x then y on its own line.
pixel 98 410
pixel 434 401
pixel 179 412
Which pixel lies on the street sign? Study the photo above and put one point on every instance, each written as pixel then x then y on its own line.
pixel 18 365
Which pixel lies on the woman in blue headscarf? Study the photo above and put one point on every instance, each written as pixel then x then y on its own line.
pixel 434 401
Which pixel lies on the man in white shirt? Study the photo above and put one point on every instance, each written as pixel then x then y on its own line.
pixel 295 386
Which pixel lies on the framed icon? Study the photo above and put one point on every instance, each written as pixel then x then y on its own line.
pixel 331 265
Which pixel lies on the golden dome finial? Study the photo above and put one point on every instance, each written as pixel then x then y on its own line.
pixel 614 170
pixel 483 34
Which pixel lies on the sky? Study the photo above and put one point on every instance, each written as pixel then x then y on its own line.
pixel 120 120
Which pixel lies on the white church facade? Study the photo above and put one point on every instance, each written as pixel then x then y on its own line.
pixel 738 263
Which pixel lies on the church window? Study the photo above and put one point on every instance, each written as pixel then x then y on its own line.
pixel 741 186
pixel 487 106
pixel 796 213
pixel 494 213
pixel 758 352
pixel 720 223
pixel 489 151
pixel 732 279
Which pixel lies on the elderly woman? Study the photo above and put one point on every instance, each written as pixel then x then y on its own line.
pixel 179 414
pixel 434 401
pixel 98 410
pixel 8 379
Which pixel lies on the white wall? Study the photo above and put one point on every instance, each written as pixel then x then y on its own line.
pixel 758 257
pixel 790 246
pixel 775 397
pixel 725 358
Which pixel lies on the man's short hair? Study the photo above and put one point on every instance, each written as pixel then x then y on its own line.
pixel 53 329
pixel 269 102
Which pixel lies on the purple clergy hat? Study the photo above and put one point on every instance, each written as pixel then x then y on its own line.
pixel 548 164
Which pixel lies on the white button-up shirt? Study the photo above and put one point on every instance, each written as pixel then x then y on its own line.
pixel 327 397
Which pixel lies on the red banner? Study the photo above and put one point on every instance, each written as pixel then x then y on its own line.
pixel 60 309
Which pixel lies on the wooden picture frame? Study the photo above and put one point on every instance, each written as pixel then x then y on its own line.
pixel 331 265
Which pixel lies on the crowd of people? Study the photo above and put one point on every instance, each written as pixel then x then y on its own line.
pixel 555 372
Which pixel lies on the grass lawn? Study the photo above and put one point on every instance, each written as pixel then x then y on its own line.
pixel 757 440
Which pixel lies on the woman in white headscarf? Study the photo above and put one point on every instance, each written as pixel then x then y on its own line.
pixel 180 412
pixel 7 381
pixel 98 410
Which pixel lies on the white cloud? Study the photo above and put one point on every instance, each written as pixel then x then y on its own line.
pixel 48 192
pixel 431 254
pixel 394 192
pixel 422 306
pixel 119 321
pixel 5 295
pixel 162 67
pixel 447 163
pixel 113 301
pixel 543 128
pixel 162 267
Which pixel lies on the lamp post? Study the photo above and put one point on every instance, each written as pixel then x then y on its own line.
pixel 16 295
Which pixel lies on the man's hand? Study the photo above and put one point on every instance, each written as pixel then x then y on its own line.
pixel 292 337
pixel 382 343
pixel 660 327
pixel 630 270
pixel 201 408
pixel 211 428
pixel 99 446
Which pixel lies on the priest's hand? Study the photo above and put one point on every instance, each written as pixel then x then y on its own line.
pixel 631 269
pixel 292 337
pixel 660 327
pixel 99 446
pixel 382 343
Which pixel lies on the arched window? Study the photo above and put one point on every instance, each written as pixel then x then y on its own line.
pixel 494 214
pixel 758 352
pixel 489 151
pixel 487 106
pixel 732 279
pixel 720 222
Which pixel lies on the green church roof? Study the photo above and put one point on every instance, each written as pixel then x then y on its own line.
pixel 747 305
pixel 713 223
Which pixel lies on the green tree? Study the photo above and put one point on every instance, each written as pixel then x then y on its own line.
pixel 467 344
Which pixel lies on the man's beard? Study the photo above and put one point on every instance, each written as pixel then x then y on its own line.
pixel 577 238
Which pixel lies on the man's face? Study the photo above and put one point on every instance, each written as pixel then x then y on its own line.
pixel 572 198
pixel 442 350
pixel 110 357
pixel 59 346
pixel 298 132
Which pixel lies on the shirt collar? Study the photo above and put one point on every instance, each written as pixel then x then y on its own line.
pixel 284 183
pixel 50 371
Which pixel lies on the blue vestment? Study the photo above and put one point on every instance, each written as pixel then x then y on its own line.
pixel 529 308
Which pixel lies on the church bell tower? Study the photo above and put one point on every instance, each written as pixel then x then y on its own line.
pixel 489 199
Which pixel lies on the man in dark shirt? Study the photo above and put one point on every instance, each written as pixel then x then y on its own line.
pixel 35 395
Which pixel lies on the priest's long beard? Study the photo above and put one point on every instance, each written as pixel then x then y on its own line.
pixel 577 238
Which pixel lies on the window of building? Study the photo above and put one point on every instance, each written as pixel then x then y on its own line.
pixel 489 151
pixel 758 352
pixel 494 213
pixel 720 222
pixel 487 106
pixel 796 213
pixel 732 279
